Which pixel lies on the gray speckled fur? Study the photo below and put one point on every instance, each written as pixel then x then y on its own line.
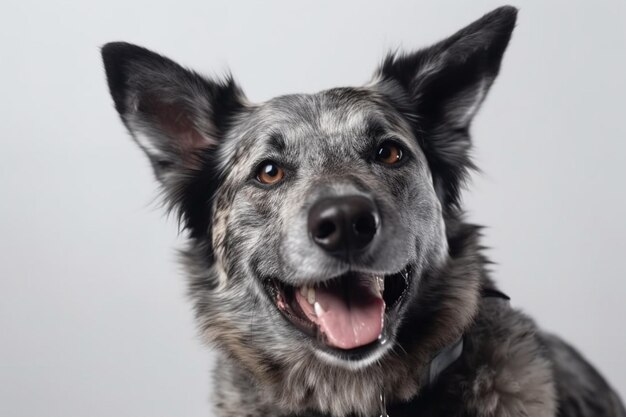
pixel 205 141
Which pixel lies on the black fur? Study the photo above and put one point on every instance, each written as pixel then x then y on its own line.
pixel 136 73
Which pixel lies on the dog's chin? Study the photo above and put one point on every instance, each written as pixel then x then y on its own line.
pixel 349 320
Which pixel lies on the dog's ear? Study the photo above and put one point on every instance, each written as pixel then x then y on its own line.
pixel 178 118
pixel 440 88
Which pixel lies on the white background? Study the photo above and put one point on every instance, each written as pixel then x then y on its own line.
pixel 93 315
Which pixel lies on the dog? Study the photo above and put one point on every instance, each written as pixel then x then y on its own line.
pixel 329 261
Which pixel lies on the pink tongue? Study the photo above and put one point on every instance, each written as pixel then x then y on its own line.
pixel 351 318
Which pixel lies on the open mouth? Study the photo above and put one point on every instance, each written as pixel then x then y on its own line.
pixel 351 313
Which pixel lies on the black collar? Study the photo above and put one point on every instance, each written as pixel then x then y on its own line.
pixel 493 293
pixel 442 360
pixel 449 354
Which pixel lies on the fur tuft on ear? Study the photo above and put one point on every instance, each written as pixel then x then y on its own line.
pixel 179 119
pixel 439 89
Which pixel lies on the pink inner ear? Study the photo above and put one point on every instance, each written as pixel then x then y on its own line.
pixel 186 141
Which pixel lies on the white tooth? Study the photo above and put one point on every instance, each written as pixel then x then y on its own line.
pixel 376 285
pixel 319 311
pixel 310 296
pixel 303 291
pixel 380 283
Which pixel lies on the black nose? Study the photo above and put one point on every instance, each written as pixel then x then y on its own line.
pixel 343 225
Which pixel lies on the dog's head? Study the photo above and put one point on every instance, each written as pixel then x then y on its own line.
pixel 313 219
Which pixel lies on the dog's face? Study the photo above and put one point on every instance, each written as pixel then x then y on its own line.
pixel 313 219
pixel 329 199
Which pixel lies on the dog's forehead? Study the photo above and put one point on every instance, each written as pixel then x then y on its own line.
pixel 331 119
pixel 328 113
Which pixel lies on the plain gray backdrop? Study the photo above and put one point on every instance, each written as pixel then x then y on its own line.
pixel 93 315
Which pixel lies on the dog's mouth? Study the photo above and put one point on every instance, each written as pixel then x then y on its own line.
pixel 347 314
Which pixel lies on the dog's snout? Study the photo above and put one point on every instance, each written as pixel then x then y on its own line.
pixel 343 225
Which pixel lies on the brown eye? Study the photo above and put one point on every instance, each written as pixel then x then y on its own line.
pixel 389 153
pixel 269 173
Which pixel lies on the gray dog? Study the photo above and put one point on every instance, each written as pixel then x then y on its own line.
pixel 328 258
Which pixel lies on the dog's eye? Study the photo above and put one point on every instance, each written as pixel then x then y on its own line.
pixel 389 153
pixel 269 173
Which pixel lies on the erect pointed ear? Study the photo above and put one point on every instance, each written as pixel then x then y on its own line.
pixel 440 88
pixel 177 117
